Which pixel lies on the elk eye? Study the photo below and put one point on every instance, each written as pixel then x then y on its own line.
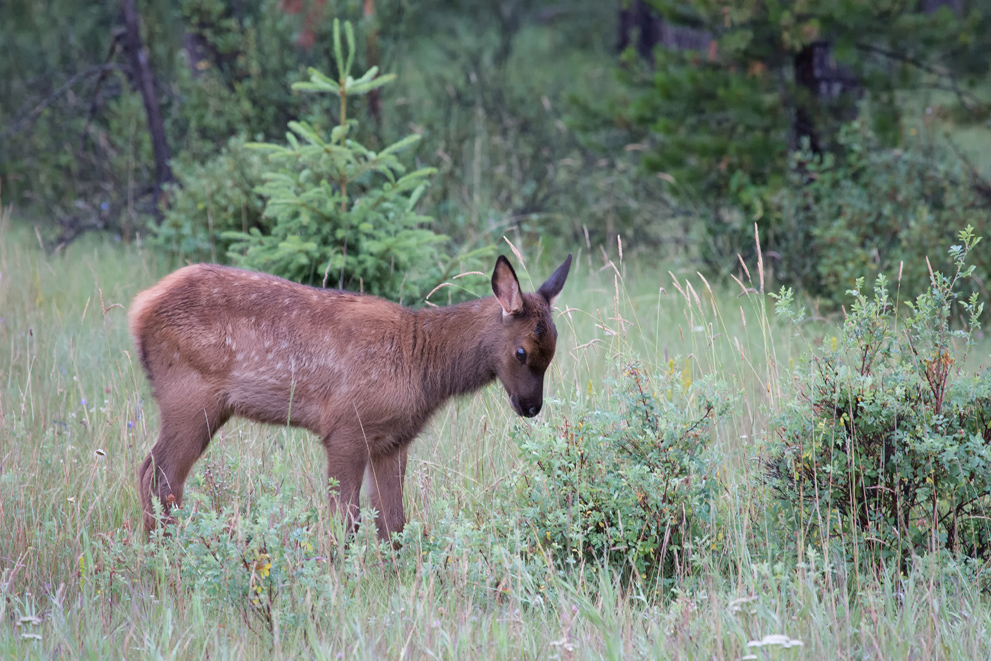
pixel 521 355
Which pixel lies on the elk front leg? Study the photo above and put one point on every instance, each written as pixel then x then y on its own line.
pixel 346 466
pixel 386 489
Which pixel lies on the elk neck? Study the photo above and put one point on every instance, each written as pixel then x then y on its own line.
pixel 455 348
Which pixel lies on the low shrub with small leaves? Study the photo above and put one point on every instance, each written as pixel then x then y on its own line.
pixel 886 445
pixel 629 483
pixel 481 550
pixel 256 548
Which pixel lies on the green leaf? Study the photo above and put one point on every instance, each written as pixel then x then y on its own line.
pixel 368 75
pixel 399 146
pixel 365 87
pixel 349 32
pixel 338 55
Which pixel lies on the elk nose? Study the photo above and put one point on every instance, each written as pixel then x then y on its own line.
pixel 532 411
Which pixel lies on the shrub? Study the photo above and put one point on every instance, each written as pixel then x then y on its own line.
pixel 256 549
pixel 631 484
pixel 869 211
pixel 211 198
pixel 887 445
pixel 341 212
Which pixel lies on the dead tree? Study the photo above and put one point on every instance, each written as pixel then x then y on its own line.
pixel 144 80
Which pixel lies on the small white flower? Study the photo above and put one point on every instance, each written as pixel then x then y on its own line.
pixel 776 639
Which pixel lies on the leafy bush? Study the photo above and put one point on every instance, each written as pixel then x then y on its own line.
pixel 630 485
pixel 870 211
pixel 255 549
pixel 887 446
pixel 334 218
pixel 211 198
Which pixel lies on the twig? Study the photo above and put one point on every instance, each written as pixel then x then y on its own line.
pixel 928 68
pixel 51 98
pixel 979 182
pixel 94 104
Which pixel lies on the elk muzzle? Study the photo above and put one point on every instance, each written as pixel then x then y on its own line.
pixel 526 407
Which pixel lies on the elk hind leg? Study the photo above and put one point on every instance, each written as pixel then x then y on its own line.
pixel 386 490
pixel 187 427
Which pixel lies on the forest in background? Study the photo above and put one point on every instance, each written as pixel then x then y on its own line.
pixel 678 126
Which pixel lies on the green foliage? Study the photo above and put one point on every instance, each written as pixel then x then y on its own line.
pixel 493 123
pixel 41 128
pixel 719 124
pixel 340 210
pixel 630 484
pixel 237 80
pixel 510 160
pixel 253 550
pixel 715 133
pixel 210 198
pixel 73 129
pixel 869 211
pixel 887 446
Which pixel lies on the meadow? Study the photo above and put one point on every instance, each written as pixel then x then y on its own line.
pixel 79 579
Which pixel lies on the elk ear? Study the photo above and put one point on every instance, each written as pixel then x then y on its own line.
pixel 506 287
pixel 551 289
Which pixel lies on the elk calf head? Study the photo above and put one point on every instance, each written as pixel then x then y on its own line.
pixel 530 336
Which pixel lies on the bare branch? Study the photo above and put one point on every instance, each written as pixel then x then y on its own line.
pixel 32 115
pixel 919 64
pixel 115 38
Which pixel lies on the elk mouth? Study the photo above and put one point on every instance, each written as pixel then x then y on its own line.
pixel 526 410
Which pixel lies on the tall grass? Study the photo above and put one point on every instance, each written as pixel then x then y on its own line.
pixel 78 579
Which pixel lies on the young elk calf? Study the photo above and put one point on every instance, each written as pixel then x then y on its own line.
pixel 362 373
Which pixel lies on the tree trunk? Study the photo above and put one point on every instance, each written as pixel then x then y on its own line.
pixel 828 94
pixel 144 80
pixel 809 73
pixel 637 17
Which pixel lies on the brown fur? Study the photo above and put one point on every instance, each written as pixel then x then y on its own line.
pixel 362 373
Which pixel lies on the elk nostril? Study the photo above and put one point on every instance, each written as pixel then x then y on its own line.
pixel 533 410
